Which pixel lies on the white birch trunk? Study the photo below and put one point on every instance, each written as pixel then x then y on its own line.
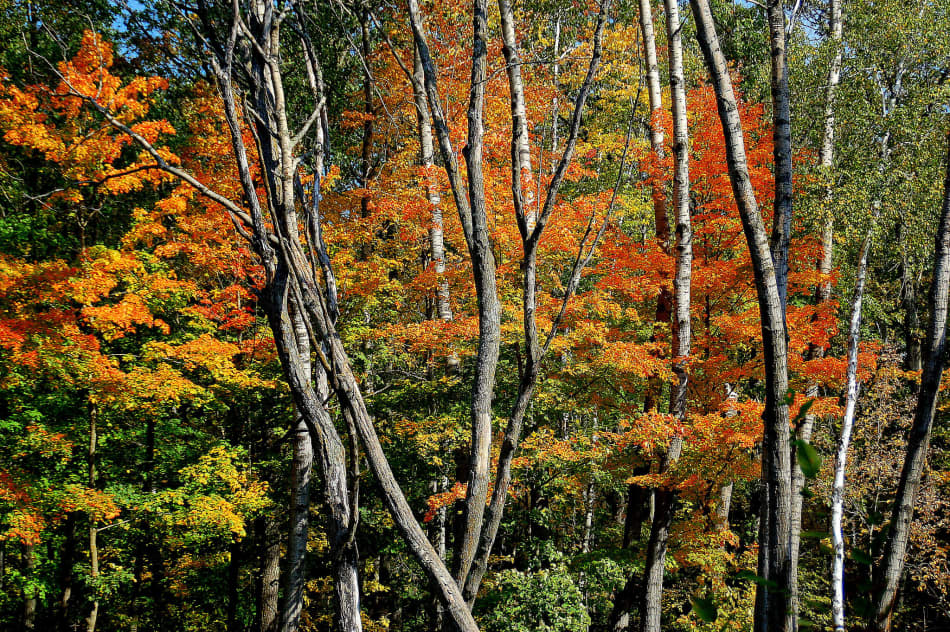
pixel 844 442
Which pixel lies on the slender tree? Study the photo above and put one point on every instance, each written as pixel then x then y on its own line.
pixel 844 441
pixel 665 498
pixel 826 154
pixel 776 458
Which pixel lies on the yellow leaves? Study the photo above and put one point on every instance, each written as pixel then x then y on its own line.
pixel 210 354
pixel 215 501
pixel 152 388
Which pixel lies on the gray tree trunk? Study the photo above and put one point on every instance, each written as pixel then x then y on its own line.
pixel 269 579
pixel 776 458
pixel 93 616
pixel 295 573
pixel 919 438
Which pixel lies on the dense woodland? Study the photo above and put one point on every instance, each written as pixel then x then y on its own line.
pixel 538 316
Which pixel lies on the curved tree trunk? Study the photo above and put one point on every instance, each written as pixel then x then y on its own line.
pixel 844 442
pixel 919 438
pixel 776 457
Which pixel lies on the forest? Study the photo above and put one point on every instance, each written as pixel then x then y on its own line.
pixel 495 315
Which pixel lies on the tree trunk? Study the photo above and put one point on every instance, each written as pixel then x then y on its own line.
pixel 295 572
pixel 913 360
pixel 427 162
pixel 654 92
pixel 236 553
pixel 66 568
pixel 29 598
pixel 473 216
pixel 787 532
pixel 724 505
pixel 534 349
pixel 269 578
pixel 638 508
pixel 520 141
pixel 665 498
pixel 823 295
pixel 776 458
pixel 919 438
pixel 329 452
pixel 847 423
pixel 782 148
pixel 93 615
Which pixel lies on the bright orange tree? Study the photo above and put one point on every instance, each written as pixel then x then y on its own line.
pixel 131 329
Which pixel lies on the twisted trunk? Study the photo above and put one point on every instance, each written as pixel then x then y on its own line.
pixel 301 467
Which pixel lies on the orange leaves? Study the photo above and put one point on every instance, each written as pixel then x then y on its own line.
pixel 98 505
pixel 640 360
pixel 116 320
pixel 59 125
pixel 444 499
pixel 87 75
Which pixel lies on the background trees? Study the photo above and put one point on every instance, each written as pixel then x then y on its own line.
pixel 203 204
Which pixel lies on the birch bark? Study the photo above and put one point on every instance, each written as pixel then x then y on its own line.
pixel 776 458
pixel 844 441
pixel 665 498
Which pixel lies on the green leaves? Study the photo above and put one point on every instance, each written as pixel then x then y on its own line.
pixel 802 411
pixel 752 577
pixel 704 607
pixel 808 458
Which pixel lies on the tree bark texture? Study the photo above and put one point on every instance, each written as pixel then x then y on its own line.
pixel 295 573
pixel 782 147
pixel 919 438
pixel 665 499
pixel 269 578
pixel 844 441
pixel 654 92
pixel 776 457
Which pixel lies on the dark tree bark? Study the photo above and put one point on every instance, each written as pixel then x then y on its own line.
pixel 919 438
pixel 67 577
